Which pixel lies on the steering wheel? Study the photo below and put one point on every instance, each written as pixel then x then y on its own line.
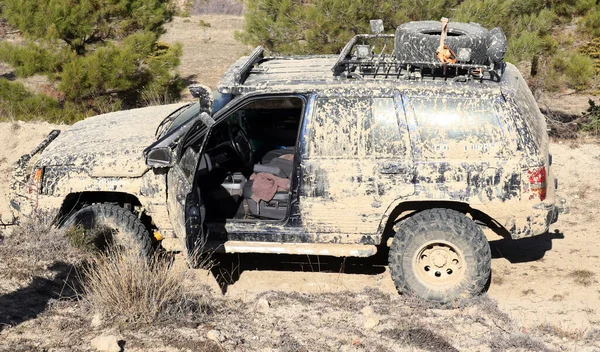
pixel 241 145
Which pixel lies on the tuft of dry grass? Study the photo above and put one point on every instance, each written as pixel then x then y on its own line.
pixel 128 286
pixel 582 277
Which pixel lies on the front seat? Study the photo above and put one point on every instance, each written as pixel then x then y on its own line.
pixel 275 208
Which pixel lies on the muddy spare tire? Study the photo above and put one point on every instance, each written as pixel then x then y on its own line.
pixel 103 225
pixel 417 42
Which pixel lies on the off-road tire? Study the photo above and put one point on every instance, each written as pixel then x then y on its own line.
pixel 445 226
pixel 132 234
pixel 417 42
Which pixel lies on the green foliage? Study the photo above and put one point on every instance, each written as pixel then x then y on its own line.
pixel 17 103
pixel 29 59
pixel 324 26
pixel 592 116
pixel 570 69
pixel 590 24
pixel 103 55
pixel 80 23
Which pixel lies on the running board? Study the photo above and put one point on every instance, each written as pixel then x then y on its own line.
pixel 327 249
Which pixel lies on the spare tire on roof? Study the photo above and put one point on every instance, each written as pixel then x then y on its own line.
pixel 417 42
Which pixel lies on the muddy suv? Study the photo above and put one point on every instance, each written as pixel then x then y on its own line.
pixel 321 155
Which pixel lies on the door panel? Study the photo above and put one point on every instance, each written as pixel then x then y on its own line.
pixel 357 162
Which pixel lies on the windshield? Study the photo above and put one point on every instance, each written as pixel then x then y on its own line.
pixel 178 118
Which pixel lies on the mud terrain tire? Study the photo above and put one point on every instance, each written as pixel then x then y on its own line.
pixel 124 227
pixel 423 254
pixel 417 42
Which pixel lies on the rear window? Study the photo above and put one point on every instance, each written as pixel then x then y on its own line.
pixel 531 114
pixel 457 128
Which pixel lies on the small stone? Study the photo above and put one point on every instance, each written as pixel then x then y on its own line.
pixel 263 305
pixel 215 335
pixel 96 320
pixel 106 343
pixel 367 311
pixel 371 322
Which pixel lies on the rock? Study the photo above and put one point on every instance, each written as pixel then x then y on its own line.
pixel 215 335
pixel 367 311
pixel 371 322
pixel 106 343
pixel 263 305
pixel 96 320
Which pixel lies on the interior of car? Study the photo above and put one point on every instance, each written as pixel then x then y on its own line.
pixel 251 154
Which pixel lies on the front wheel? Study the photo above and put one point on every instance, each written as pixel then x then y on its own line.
pixel 440 255
pixel 102 225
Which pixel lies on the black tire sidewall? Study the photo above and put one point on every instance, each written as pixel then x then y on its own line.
pixel 133 235
pixel 441 225
pixel 415 44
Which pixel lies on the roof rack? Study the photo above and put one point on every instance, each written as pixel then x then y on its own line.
pixel 364 63
pixel 239 71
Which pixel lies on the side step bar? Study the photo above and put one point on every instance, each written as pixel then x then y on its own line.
pixel 325 249
pixel 328 249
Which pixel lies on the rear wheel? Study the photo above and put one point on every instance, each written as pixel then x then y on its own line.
pixel 102 225
pixel 440 255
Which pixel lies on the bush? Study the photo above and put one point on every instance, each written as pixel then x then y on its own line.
pixel 590 24
pixel 570 69
pixel 102 55
pixel 311 26
pixel 17 103
pixel 136 289
pixel 592 115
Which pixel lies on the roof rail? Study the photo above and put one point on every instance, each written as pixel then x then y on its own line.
pixel 239 71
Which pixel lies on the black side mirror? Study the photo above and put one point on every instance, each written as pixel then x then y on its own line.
pixel 159 157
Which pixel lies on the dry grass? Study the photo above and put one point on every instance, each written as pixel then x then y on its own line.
pixel 582 277
pixel 124 285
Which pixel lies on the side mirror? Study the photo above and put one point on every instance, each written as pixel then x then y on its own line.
pixel 159 157
pixel 204 96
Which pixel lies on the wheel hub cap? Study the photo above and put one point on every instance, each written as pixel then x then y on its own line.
pixel 439 264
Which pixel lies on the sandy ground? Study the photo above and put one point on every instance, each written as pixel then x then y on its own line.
pixel 548 285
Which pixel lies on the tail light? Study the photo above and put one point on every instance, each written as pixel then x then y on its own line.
pixel 35 183
pixel 537 183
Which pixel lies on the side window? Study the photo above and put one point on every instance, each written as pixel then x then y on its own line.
pixel 384 139
pixel 190 150
pixel 335 129
pixel 457 128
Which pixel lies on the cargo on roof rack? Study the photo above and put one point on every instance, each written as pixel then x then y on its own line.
pixel 471 52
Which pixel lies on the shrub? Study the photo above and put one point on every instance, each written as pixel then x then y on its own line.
pixel 590 24
pixel 136 289
pixel 592 115
pixel 17 103
pixel 103 56
pixel 570 69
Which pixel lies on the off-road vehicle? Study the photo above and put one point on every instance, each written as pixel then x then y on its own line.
pixel 416 150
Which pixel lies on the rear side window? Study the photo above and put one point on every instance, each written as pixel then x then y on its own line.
pixel 346 127
pixel 336 126
pixel 457 128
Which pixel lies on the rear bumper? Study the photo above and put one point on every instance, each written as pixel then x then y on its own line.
pixel 537 222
